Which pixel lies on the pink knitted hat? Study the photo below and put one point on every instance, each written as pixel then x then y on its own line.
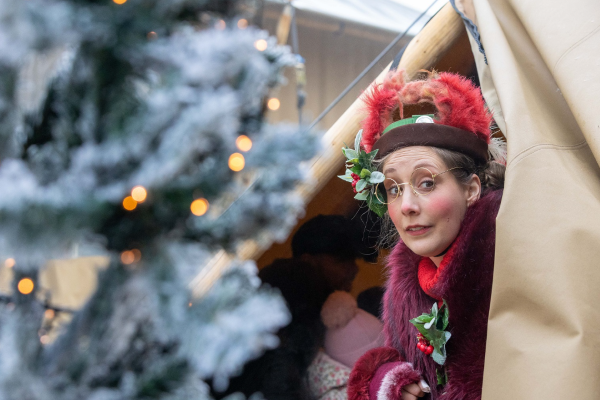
pixel 350 331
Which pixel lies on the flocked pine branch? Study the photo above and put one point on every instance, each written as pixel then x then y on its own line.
pixel 146 93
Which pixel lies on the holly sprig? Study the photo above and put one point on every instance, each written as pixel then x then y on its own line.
pixel 363 175
pixel 432 327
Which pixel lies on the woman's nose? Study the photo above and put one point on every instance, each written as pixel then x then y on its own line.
pixel 410 203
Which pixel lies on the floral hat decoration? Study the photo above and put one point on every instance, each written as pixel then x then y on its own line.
pixel 462 124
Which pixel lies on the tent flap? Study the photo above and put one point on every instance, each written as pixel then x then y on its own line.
pixel 543 339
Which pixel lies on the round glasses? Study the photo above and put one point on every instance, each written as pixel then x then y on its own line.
pixel 422 182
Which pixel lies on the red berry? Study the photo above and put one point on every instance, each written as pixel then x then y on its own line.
pixel 420 346
pixel 429 349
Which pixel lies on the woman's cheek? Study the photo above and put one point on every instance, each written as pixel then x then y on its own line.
pixel 395 215
pixel 440 208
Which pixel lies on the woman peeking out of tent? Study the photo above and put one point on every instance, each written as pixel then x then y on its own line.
pixel 438 178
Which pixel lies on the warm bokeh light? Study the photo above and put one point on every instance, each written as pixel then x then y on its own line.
pixel 237 162
pixel 137 255
pixel 119 1
pixel 199 207
pixel 127 257
pixel 44 339
pixel 274 104
pixel 242 23
pixel 9 263
pixel 25 286
pixel 221 25
pixel 243 142
pixel 189 304
pixel 139 194
pixel 129 203
pixel 49 314
pixel 152 35
pixel 261 44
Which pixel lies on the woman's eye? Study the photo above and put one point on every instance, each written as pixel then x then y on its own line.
pixel 426 184
pixel 394 190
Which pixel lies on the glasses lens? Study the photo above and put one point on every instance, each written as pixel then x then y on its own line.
pixel 387 191
pixel 422 181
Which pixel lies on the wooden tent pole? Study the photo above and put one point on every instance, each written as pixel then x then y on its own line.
pixel 423 52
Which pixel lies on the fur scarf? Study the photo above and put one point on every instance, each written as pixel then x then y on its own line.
pixel 466 285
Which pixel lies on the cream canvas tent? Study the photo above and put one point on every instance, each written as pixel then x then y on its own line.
pixel 542 80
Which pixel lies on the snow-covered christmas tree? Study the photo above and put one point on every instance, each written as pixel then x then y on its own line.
pixel 125 141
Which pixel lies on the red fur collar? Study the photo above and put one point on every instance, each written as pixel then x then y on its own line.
pixel 465 283
pixel 429 274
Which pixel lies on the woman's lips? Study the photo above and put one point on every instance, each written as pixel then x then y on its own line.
pixel 417 230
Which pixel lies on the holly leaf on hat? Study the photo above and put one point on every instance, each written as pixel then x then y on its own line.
pixel 356 169
pixel 376 177
pixel 363 175
pixel 375 205
pixel 378 209
pixel 361 195
pixel 366 159
pixel 346 178
pixel 358 139
pixel 361 185
pixel 350 154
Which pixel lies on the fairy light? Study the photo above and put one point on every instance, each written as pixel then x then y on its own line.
pixel 274 104
pixel 129 203
pixel 44 339
pixel 137 255
pixel 127 257
pixel 243 142
pixel 221 25
pixel 189 304
pixel 236 162
pixel 152 35
pixel 119 1
pixel 25 286
pixel 49 314
pixel 9 263
pixel 242 23
pixel 139 194
pixel 199 207
pixel 261 45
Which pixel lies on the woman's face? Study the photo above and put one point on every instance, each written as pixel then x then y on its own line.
pixel 428 224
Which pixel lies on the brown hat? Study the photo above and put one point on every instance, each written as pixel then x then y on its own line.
pixel 462 122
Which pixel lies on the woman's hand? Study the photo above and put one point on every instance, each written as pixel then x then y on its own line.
pixel 414 391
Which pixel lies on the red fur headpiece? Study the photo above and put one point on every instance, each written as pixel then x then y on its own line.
pixel 458 101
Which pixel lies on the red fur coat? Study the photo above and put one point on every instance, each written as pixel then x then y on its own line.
pixel 465 283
